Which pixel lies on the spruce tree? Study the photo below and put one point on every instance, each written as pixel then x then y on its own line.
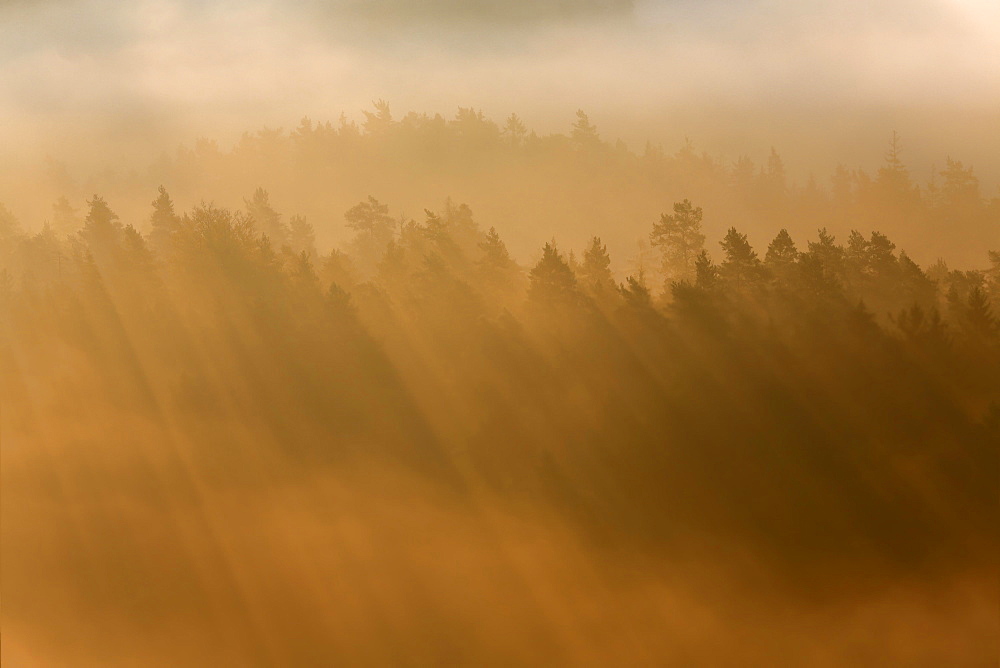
pixel 164 222
pixel 595 270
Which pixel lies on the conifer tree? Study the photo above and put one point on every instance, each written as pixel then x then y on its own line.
pixel 706 273
pixel 378 122
pixel 742 268
pixel 584 132
pixel 514 130
pixel 680 240
pixel 979 318
pixel 266 219
pixel 164 222
pixel 781 252
pixel 828 254
pixel 552 281
pixel 101 227
pixel 370 220
pixel 914 285
pixel 495 255
pixel 893 178
pixel 301 236
pixel 595 270
pixel 500 275
pixel 373 227
pixel 960 189
pixel 636 294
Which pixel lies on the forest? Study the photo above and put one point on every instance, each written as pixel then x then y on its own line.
pixel 323 432
pixel 575 185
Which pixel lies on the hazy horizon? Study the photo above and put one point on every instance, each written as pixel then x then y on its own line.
pixel 824 83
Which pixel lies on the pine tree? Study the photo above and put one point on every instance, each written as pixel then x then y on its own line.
pixel 595 271
pixel 781 252
pixel 856 253
pixel 101 227
pixel 514 130
pixel 370 219
pixel 781 259
pixel 584 133
pixel 742 268
pixel 164 222
pixel 474 130
pixel 302 236
pixel 494 251
pixel 706 273
pixel 979 318
pixel 881 260
pixel 960 188
pixel 893 177
pixel 266 219
pixel 894 191
pixel 500 275
pixel 828 254
pixel 373 227
pixel 636 294
pixel 914 285
pixel 552 281
pixel 680 240
pixel 379 121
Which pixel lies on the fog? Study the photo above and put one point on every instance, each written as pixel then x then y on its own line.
pixel 822 82
pixel 595 332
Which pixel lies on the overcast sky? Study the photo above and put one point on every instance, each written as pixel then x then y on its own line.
pixel 734 76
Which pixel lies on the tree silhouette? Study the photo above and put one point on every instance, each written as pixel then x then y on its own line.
pixel 378 122
pixel 584 134
pixel 373 227
pixel 680 240
pixel 781 255
pixel 595 271
pixel 495 255
pixel 552 281
pixel 302 236
pixel 164 222
pixel 514 130
pixel 741 266
pixel 267 220
pixel 101 227
pixel 979 318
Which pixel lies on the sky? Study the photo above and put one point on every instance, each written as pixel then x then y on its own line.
pixel 98 82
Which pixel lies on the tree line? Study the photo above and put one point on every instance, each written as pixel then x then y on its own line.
pixel 575 184
pixel 829 396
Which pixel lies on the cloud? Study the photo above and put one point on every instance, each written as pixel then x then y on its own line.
pixel 477 12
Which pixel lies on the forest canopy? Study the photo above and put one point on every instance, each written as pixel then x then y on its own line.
pixel 766 383
pixel 528 185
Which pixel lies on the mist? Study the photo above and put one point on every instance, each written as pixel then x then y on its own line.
pixel 822 82
pixel 565 332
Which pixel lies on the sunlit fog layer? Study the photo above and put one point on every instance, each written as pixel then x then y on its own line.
pixel 594 332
